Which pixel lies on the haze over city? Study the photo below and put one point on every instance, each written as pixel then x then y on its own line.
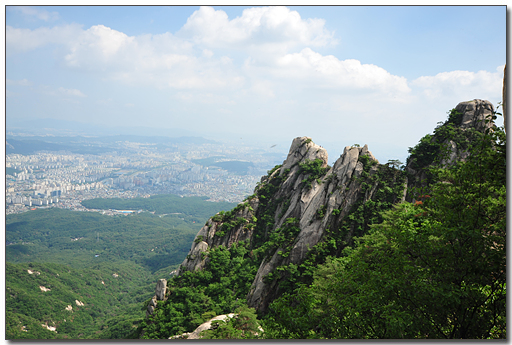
pixel 377 75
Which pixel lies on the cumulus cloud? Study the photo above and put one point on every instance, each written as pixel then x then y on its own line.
pixel 99 42
pixel 256 26
pixel 266 52
pixel 463 85
pixel 332 72
pixel 157 60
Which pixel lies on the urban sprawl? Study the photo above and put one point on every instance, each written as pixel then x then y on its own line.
pixel 63 180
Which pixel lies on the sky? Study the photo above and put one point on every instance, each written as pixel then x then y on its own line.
pixel 342 75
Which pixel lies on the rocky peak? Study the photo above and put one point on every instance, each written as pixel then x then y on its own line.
pixel 474 114
pixel 450 141
pixel 308 203
pixel 317 207
pixel 304 149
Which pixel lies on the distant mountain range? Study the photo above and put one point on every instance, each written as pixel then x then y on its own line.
pixel 88 145
pixel 74 128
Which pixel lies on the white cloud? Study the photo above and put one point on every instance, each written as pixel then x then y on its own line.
pixel 156 60
pixel 61 92
pixel 329 71
pixel 98 42
pixel 267 55
pixel 36 12
pixel 257 26
pixel 21 40
pixel 461 85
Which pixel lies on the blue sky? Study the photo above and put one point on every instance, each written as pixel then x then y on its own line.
pixel 377 75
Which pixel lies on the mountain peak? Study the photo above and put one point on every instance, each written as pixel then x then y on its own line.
pixel 304 149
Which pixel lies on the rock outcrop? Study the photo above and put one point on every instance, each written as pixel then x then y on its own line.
pixel 209 236
pixel 335 189
pixel 474 113
pixel 309 199
pixel 160 291
pixel 306 187
pixel 196 334
pixel 466 118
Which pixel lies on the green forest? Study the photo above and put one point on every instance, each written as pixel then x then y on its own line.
pixel 433 268
pixel 109 263
pixel 237 167
pixel 194 207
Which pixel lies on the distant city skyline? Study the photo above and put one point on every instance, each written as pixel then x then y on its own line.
pixel 377 75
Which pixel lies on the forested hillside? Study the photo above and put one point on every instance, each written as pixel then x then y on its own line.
pixel 109 263
pixel 359 250
pixel 83 239
pixel 55 301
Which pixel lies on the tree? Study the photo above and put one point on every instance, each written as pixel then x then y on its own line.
pixel 435 268
pixel 242 326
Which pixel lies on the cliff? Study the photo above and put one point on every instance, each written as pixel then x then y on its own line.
pixel 304 210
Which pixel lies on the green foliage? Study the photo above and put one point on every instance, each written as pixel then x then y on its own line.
pixel 196 208
pixel 455 117
pixel 271 171
pixel 242 326
pixel 108 300
pixel 313 170
pixel 139 248
pixel 230 220
pixel 218 289
pixel 432 147
pixel 267 207
pixel 282 237
pixel 433 269
pixel 68 237
pixel 320 213
pixel 395 163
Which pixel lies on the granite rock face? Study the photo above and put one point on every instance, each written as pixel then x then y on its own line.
pixel 160 291
pixel 208 237
pixel 334 188
pixel 474 115
pixel 337 189
pixel 314 197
